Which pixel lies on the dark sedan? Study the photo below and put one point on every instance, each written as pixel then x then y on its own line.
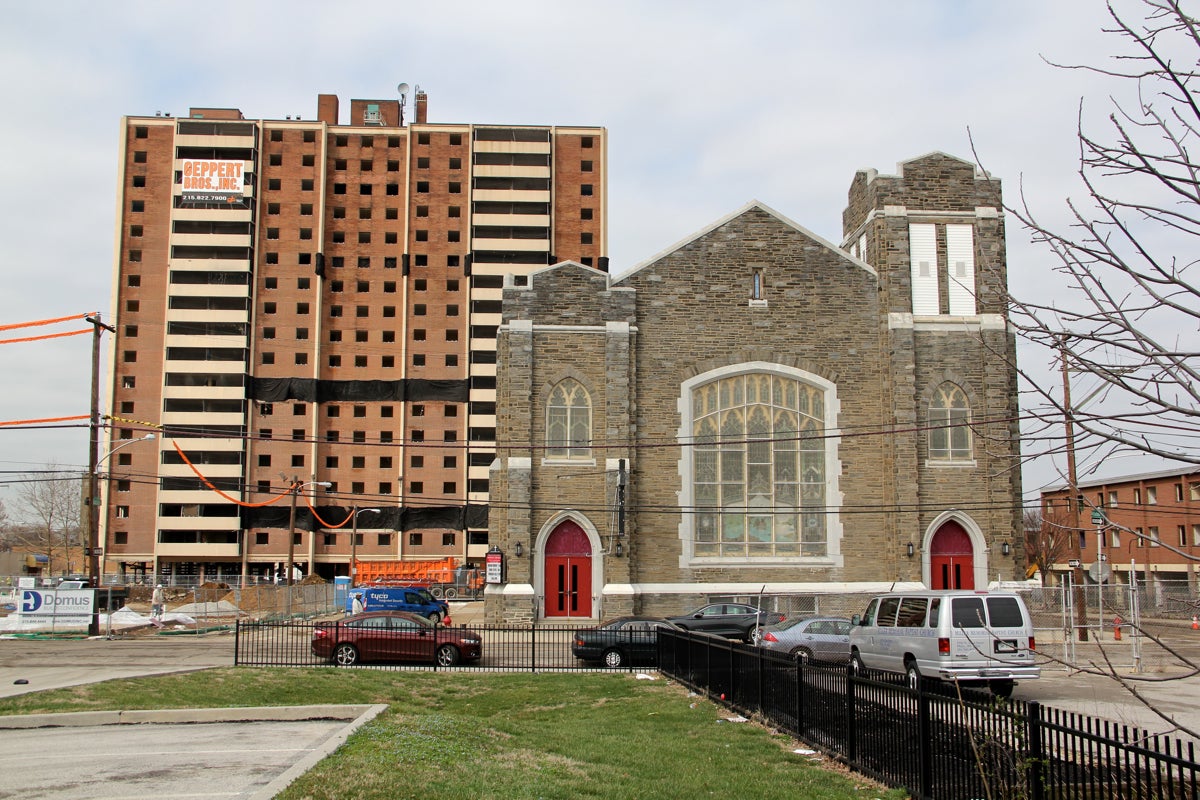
pixel 393 636
pixel 732 620
pixel 620 641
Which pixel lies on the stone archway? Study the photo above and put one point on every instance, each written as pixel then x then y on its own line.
pixel 567 571
pixel 951 557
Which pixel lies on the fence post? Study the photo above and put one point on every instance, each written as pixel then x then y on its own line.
pixel 1036 756
pixel 532 647
pixel 237 639
pixel 799 698
pixel 761 679
pixel 924 745
pixel 851 727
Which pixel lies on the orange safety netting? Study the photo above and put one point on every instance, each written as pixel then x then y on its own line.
pixel 16 325
pixel 45 336
pixel 48 419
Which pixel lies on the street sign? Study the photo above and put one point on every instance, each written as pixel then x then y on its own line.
pixel 1099 572
pixel 1104 557
pixel 1074 563
pixel 1098 517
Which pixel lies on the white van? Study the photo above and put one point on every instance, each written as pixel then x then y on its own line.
pixel 977 637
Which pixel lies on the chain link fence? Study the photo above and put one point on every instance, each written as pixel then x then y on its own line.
pixel 126 610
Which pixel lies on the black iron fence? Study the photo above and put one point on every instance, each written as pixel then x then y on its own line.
pixel 939 741
pixel 524 647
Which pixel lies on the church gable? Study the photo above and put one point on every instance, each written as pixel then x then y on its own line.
pixel 563 294
pixel 753 261
pixel 754 233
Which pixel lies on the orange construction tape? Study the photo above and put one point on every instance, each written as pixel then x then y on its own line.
pixel 46 336
pixel 16 325
pixel 48 419
pixel 208 483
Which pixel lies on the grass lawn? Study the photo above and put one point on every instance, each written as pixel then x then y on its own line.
pixel 508 735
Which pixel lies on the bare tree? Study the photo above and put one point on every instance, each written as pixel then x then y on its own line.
pixel 50 510
pixel 1128 255
pixel 1048 540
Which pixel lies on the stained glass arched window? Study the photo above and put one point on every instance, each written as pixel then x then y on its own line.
pixel 568 421
pixel 949 424
pixel 758 468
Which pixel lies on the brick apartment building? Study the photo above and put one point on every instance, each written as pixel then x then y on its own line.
pixel 757 409
pixel 316 301
pixel 1152 524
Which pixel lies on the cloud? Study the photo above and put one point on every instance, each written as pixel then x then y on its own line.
pixel 708 105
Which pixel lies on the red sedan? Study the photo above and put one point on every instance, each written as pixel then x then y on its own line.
pixel 393 636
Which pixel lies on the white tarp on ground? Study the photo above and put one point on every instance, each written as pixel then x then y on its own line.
pixel 118 620
pixel 221 608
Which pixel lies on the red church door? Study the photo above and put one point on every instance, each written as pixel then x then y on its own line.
pixel 951 558
pixel 568 572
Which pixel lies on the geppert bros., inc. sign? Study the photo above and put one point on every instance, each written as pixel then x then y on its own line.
pixel 56 608
pixel 211 181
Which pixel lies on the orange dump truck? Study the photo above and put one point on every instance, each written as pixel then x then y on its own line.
pixel 444 577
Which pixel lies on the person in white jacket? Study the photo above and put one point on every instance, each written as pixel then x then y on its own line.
pixel 158 602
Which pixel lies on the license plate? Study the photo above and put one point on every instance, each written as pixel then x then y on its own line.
pixel 1005 646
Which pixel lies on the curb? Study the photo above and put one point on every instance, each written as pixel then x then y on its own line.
pixel 83 719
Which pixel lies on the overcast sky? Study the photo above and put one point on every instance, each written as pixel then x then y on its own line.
pixel 708 105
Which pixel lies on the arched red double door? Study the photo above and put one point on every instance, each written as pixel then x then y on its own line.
pixel 951 558
pixel 568 575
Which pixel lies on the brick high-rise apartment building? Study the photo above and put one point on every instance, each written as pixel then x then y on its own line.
pixel 307 300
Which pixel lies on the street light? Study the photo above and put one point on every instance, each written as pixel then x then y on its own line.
pixel 354 543
pixel 94 524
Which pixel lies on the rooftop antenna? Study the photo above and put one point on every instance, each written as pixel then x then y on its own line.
pixel 402 88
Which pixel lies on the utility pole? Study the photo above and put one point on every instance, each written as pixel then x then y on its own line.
pixel 291 562
pixel 93 500
pixel 1073 501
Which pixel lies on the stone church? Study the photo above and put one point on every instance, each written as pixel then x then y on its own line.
pixel 758 409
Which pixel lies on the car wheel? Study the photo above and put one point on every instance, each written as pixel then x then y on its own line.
pixel 435 617
pixel 613 659
pixel 1001 688
pixel 447 655
pixel 346 655
pixel 803 655
pixel 753 635
pixel 857 665
pixel 912 675
pixel 451 593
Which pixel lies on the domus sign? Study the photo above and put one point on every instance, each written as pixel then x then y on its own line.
pixel 58 609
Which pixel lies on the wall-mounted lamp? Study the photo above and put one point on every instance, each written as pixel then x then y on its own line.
pixel 1005 549
pixel 519 550
pixel 620 550
pixel 909 549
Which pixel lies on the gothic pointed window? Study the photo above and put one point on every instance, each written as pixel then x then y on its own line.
pixel 949 425
pixel 568 421
pixel 758 468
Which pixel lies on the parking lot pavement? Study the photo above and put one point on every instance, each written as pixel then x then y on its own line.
pixel 194 753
